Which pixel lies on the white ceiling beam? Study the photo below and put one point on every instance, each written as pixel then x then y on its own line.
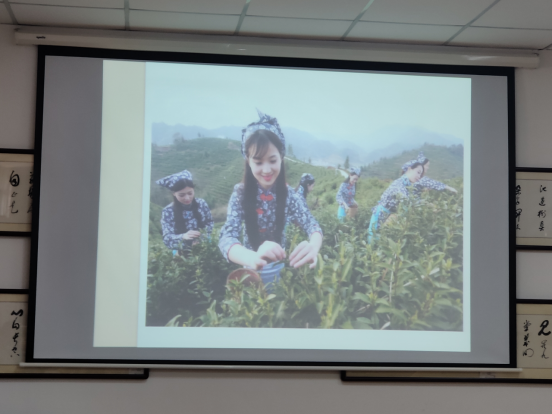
pixel 255 46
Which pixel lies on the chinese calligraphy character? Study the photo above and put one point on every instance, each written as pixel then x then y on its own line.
pixel 16 326
pixel 526 341
pixel 14 179
pixel 544 325
pixel 542 203
pixel 526 325
pixel 518 189
pixel 528 352
pixel 542 189
pixel 541 227
pixel 543 346
pixel 542 213
pixel 11 208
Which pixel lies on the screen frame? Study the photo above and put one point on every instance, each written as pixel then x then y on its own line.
pixel 44 51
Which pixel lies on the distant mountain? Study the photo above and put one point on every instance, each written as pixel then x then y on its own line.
pixel 445 162
pixel 397 139
pixel 304 145
pixel 164 135
pixel 323 152
pixel 385 143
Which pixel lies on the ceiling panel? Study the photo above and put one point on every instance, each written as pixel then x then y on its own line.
pixel 298 28
pixel 527 14
pixel 4 16
pixel 440 12
pixel 511 38
pixel 107 4
pixel 308 9
pixel 190 6
pixel 182 22
pixel 402 33
pixel 69 16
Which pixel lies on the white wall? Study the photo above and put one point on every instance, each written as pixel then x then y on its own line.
pixel 267 392
pixel 534 149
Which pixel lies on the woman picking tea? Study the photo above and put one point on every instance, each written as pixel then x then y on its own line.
pixel 400 189
pixel 346 194
pixel 306 184
pixel 265 204
pixel 182 220
pixel 426 182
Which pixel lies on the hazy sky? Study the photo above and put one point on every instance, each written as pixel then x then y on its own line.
pixel 326 104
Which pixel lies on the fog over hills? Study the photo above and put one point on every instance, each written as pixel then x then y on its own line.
pixel 325 150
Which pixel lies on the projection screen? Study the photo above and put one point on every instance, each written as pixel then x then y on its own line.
pixel 210 209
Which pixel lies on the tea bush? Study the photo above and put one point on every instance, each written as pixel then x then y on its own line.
pixel 411 277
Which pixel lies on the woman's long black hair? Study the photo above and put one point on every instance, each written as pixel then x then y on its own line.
pixel 178 208
pixel 259 142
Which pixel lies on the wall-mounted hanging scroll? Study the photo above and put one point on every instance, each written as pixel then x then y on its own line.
pixel 16 192
pixel 534 356
pixel 533 219
pixel 13 334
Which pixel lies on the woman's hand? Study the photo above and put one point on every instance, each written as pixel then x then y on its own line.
pixel 305 252
pixel 251 259
pixel 452 190
pixel 267 252
pixel 271 251
pixel 191 234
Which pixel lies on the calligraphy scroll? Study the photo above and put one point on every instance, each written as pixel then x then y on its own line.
pixel 13 328
pixel 533 209
pixel 16 192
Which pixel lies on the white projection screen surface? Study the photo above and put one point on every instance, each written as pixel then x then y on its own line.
pixel 209 209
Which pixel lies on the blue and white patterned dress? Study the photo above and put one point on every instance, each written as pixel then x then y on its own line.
pixel 399 189
pixel 296 212
pixel 346 195
pixel 301 191
pixel 175 241
pixel 426 182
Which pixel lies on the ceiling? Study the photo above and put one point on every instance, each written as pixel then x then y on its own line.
pixel 519 24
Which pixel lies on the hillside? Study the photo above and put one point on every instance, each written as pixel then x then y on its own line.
pixel 409 278
pixel 446 163
pixel 326 150
pixel 305 145
pixel 217 165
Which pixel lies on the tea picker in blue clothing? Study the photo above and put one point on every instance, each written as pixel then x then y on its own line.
pixel 346 194
pixel 426 182
pixel 183 219
pixel 401 188
pixel 265 204
pixel 306 184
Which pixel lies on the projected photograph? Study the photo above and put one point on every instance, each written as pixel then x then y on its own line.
pixel 306 199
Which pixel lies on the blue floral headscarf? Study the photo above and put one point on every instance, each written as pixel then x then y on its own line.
pixel 421 160
pixel 265 122
pixel 171 180
pixel 306 178
pixel 354 170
